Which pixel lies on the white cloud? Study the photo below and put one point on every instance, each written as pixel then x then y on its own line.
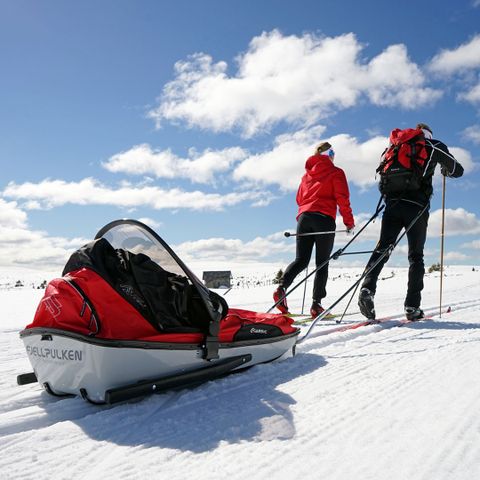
pixel 472 133
pixel 464 57
pixel 475 245
pixel 20 245
pixel 464 157
pixel 284 164
pixel 54 193
pixel 372 232
pixel 458 222
pixel 200 168
pixel 472 95
pixel 463 61
pixel 298 79
pixel 150 222
pixel 358 160
pixel 455 256
pixel 404 88
pixel 224 249
pixel 265 248
pixel 11 216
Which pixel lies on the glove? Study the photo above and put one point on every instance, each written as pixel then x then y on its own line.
pixel 444 171
pixel 350 229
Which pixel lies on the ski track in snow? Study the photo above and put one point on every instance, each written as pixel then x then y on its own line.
pixel 377 402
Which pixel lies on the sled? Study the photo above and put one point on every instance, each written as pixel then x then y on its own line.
pixel 128 318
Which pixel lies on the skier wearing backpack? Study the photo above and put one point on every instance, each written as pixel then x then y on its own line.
pixel 406 172
pixel 323 189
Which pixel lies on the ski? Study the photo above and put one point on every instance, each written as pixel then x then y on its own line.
pixel 303 321
pixel 307 319
pixel 386 322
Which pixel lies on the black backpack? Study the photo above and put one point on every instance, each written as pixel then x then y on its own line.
pixel 168 301
pixel 402 167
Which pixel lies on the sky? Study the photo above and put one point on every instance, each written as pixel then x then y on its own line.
pixel 197 118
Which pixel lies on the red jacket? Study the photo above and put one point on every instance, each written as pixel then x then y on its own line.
pixel 323 188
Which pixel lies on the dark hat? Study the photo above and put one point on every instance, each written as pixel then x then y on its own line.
pixel 323 147
pixel 424 126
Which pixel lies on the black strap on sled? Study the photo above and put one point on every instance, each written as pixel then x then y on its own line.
pixel 211 343
pixel 334 256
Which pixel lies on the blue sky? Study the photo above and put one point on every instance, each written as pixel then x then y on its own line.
pixel 197 116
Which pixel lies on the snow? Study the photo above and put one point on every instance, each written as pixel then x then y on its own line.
pixel 371 403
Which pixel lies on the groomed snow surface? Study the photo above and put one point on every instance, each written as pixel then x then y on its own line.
pixel 372 403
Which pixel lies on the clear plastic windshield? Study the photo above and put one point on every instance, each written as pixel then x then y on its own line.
pixel 136 239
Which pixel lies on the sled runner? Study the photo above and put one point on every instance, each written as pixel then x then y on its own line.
pixel 128 318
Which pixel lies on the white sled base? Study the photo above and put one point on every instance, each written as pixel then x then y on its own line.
pixel 108 371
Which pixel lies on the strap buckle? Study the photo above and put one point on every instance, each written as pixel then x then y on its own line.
pixel 210 348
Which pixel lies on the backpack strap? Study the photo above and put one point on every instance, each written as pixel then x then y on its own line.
pixel 413 151
pixel 383 160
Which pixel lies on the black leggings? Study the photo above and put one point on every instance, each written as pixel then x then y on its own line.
pixel 398 215
pixel 312 222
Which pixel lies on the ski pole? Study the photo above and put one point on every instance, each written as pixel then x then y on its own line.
pixel 304 289
pixel 335 256
pixel 358 253
pixel 288 234
pixel 387 251
pixel 339 320
pixel 354 286
pixel 442 239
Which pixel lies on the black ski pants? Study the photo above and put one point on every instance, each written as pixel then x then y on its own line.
pixel 309 222
pixel 399 214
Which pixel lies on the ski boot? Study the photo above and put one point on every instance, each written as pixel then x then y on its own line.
pixel 316 309
pixel 414 313
pixel 365 302
pixel 278 294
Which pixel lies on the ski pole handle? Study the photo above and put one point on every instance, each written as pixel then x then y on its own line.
pixel 288 234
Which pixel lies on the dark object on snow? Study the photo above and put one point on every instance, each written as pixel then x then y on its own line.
pixel 217 278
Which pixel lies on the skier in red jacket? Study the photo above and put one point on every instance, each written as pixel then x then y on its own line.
pixel 322 190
